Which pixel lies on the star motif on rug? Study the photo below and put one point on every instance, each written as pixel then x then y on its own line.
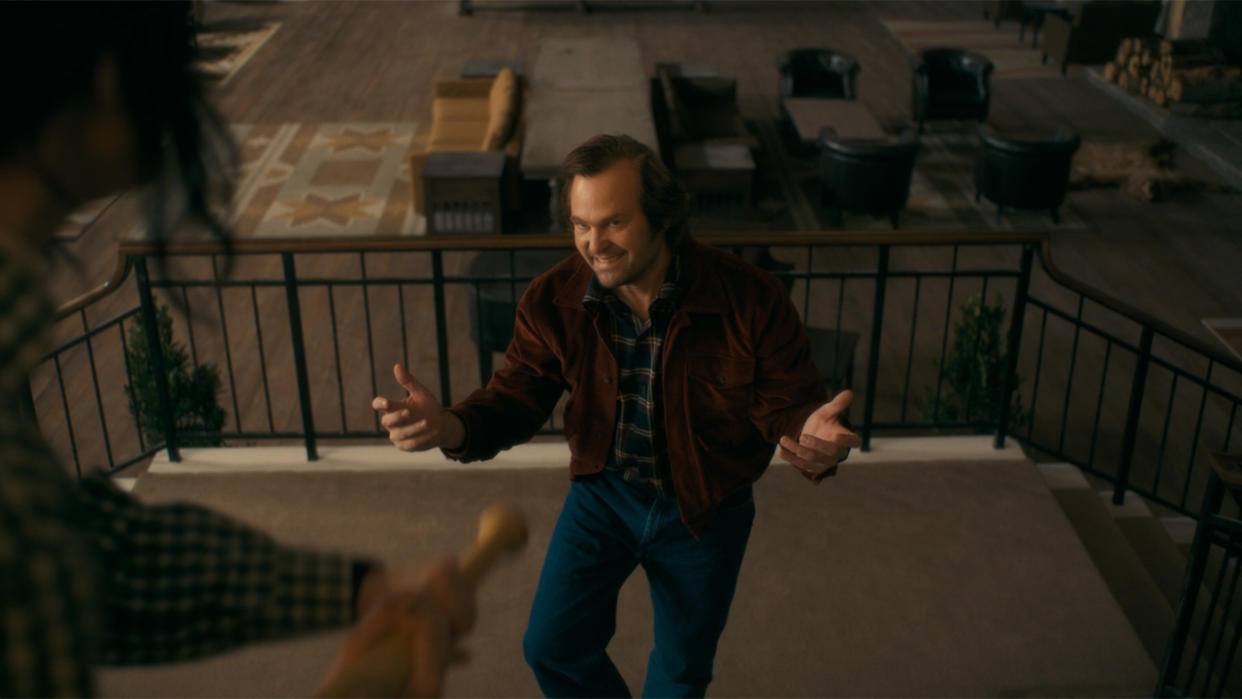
pixel 338 211
pixel 352 138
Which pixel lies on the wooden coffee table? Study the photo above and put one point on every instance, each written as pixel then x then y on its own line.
pixel 589 63
pixel 849 118
pixel 559 120
pixel 582 87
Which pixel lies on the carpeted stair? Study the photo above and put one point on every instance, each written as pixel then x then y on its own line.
pixel 1143 560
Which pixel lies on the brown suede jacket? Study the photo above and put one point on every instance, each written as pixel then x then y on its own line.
pixel 736 376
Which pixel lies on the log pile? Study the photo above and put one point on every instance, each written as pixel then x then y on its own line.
pixel 1188 76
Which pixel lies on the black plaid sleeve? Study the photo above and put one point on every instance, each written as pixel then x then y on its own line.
pixel 46 575
pixel 180 581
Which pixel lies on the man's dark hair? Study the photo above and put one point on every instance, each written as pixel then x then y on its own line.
pixel 663 198
pixel 50 52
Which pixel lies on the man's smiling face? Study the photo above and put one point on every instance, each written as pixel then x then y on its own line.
pixel 611 231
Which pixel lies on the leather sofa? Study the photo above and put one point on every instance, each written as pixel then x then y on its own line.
pixel 950 84
pixel 471 115
pixel 1095 29
pixel 870 176
pixel 1024 173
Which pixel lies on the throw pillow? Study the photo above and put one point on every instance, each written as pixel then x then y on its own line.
pixel 502 109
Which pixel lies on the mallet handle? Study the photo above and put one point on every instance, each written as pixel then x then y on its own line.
pixel 382 670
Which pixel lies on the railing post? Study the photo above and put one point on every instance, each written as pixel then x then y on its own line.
pixel 1015 341
pixel 158 369
pixel 299 354
pixel 873 354
pixel 437 290
pixel 1132 416
pixel 1188 598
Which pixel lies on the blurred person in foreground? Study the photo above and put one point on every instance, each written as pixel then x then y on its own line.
pixel 101 97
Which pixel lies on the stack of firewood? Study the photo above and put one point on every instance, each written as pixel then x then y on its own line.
pixel 1189 76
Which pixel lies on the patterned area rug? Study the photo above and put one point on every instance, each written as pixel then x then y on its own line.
pixel 309 180
pixel 299 180
pixel 1011 58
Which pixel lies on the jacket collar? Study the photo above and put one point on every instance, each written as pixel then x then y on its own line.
pixel 704 290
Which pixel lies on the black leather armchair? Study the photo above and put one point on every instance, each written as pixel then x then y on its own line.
pixel 1024 173
pixel 950 84
pixel 819 73
pixel 871 176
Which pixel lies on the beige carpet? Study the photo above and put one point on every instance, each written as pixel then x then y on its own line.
pixel 914 579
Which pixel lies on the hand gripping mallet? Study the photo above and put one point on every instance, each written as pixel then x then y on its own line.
pixel 381 670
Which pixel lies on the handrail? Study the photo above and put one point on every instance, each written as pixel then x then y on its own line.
pixel 119 274
pixel 128 248
pixel 544 240
pixel 131 247
pixel 1128 311
pixel 818 246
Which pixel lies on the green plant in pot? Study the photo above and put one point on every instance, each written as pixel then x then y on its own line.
pixel 193 391
pixel 974 370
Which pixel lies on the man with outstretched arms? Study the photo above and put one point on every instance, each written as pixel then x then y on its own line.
pixel 686 367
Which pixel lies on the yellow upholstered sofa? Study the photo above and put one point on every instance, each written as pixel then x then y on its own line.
pixel 470 115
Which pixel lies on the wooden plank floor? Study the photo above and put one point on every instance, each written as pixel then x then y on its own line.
pixel 333 62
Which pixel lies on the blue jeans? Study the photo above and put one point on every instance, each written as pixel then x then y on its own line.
pixel 607 527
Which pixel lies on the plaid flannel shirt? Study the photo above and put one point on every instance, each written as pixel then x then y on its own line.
pixel 89 575
pixel 639 451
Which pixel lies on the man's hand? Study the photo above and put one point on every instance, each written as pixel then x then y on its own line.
pixel 417 422
pixel 407 637
pixel 824 440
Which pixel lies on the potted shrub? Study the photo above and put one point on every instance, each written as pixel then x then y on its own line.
pixel 974 370
pixel 193 392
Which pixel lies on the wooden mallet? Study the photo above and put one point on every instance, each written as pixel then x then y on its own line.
pixel 381 671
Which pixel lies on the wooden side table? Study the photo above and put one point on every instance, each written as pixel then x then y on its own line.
pixel 716 167
pixel 463 191
pixel 849 118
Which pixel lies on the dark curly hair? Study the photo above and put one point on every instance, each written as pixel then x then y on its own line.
pixel 50 52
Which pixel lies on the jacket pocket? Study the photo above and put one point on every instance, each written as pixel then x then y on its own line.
pixel 720 392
